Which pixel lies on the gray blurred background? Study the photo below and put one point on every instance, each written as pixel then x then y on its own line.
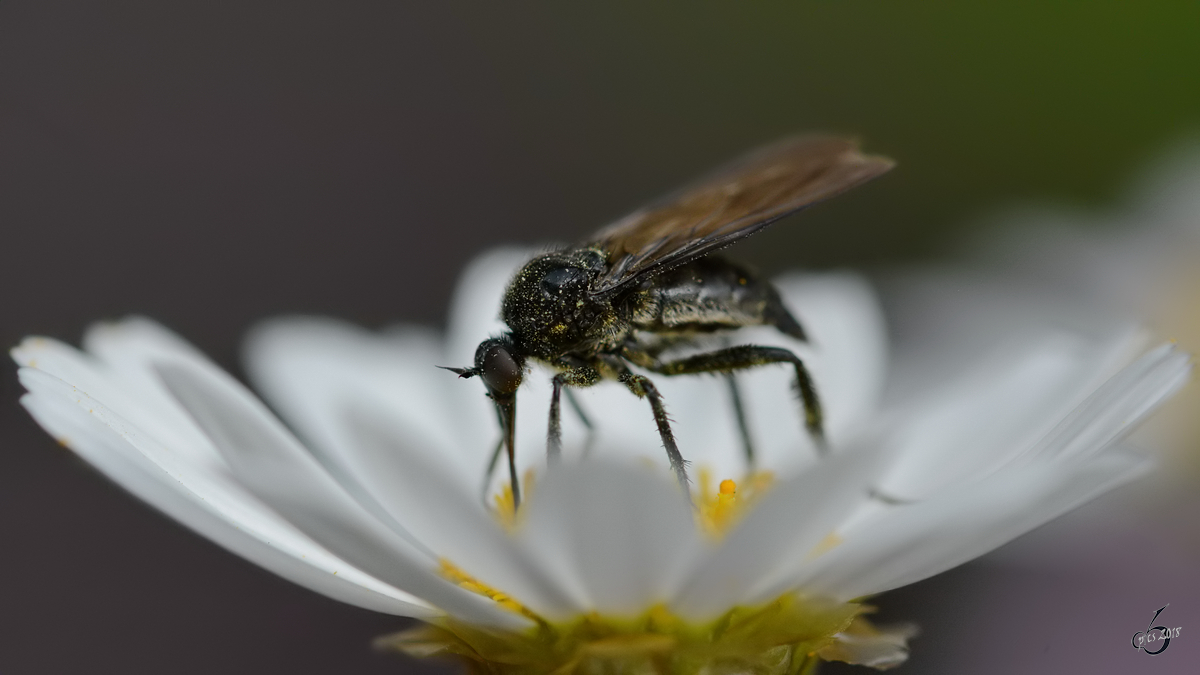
pixel 213 163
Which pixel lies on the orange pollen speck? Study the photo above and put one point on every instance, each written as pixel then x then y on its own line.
pixel 718 510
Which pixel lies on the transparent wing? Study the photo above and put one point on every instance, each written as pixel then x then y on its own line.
pixel 735 201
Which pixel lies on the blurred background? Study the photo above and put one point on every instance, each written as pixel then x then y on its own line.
pixel 213 163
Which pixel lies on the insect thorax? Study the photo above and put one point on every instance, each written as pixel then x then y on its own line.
pixel 550 311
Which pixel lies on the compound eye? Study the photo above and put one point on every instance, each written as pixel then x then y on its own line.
pixel 557 280
pixel 500 371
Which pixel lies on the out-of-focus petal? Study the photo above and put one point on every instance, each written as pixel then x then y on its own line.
pixel 784 527
pixel 618 536
pixel 913 542
pixel 995 412
pixel 447 517
pixel 1113 410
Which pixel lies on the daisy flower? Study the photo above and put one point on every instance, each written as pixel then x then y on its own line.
pixel 377 495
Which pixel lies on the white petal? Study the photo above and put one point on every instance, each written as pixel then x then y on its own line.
pixel 205 501
pixel 447 517
pixel 996 412
pixel 781 530
pixel 314 370
pixel 617 536
pixel 1116 407
pixel 265 457
pixel 910 543
pixel 123 383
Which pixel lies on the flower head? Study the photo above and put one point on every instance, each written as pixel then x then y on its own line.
pixel 384 505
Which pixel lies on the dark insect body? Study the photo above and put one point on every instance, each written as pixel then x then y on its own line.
pixel 647 284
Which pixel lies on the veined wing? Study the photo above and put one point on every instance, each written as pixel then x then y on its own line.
pixel 735 201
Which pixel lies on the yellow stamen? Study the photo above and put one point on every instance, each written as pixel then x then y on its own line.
pixel 453 573
pixel 506 507
pixel 718 510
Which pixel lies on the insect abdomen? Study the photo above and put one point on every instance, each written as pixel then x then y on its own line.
pixel 707 295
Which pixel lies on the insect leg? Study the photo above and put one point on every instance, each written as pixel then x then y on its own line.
pixel 581 376
pixel 491 466
pixel 747 356
pixel 739 411
pixel 583 417
pixel 642 387
pixel 491 469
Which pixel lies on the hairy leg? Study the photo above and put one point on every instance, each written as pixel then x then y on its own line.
pixel 739 412
pixel 642 387
pixel 742 357
pixel 583 417
pixel 581 376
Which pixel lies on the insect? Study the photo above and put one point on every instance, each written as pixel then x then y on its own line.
pixel 648 283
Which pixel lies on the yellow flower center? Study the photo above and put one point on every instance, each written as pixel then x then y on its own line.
pixel 788 635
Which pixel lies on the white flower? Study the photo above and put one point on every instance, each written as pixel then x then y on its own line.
pixel 381 508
